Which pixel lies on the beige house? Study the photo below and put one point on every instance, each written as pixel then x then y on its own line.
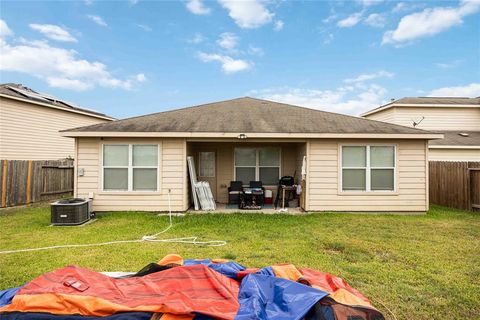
pixel 30 123
pixel 457 118
pixel 352 164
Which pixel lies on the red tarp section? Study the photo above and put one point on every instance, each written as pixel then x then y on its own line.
pixel 181 290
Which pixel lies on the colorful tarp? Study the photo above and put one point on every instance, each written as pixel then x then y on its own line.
pixel 178 289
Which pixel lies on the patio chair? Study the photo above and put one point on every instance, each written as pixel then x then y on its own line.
pixel 234 191
pixel 260 194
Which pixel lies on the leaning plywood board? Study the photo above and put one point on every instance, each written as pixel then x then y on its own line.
pixel 209 195
pixel 193 181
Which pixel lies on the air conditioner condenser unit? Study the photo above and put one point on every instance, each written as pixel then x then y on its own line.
pixel 70 212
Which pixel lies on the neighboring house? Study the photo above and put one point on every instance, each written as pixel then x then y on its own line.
pixel 30 123
pixel 353 164
pixel 457 118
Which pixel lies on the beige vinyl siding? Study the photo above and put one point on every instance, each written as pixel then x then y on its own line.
pixel 172 172
pixel 387 115
pixel 30 132
pixel 467 119
pixel 436 118
pixel 436 154
pixel 324 179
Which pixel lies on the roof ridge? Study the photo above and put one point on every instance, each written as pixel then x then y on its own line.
pixel 442 97
pixel 178 109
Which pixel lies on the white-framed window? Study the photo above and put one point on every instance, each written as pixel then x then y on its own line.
pixel 206 164
pixel 368 168
pixel 258 164
pixel 130 167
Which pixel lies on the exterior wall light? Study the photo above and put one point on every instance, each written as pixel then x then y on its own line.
pixel 242 136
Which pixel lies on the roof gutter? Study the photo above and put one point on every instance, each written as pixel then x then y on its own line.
pixel 452 147
pixel 247 135
pixel 86 113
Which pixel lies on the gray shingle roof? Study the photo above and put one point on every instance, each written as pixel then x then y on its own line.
pixel 440 101
pixel 453 138
pixel 249 115
pixel 34 96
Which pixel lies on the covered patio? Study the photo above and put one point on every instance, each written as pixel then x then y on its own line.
pixel 221 162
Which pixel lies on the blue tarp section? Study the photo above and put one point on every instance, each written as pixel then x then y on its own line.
pixel 268 271
pixel 228 269
pixel 265 297
pixel 49 316
pixel 7 295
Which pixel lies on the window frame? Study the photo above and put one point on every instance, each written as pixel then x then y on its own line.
pixel 368 168
pixel 257 164
pixel 200 164
pixel 129 167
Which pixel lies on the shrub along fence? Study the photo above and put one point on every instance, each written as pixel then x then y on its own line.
pixel 455 184
pixel 27 181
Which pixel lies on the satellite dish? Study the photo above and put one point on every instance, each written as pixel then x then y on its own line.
pixel 416 123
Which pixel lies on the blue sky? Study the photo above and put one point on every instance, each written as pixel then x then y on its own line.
pixel 137 57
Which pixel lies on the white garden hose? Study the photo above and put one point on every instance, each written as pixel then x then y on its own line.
pixel 151 238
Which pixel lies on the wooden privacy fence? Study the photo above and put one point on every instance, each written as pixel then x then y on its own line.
pixel 27 181
pixel 455 184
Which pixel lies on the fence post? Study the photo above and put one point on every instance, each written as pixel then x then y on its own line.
pixel 29 183
pixel 4 183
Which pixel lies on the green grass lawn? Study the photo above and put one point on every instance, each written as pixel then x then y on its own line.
pixel 420 267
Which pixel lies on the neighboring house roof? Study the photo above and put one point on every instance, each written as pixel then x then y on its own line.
pixel 20 92
pixel 428 102
pixel 458 139
pixel 245 115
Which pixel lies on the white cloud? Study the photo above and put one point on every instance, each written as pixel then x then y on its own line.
pixel 60 67
pixel 472 90
pixel 247 14
pixel 404 6
pixel 4 30
pixel 376 20
pixel 228 41
pixel 141 77
pixel 370 76
pixel 350 21
pixel 229 64
pixel 330 18
pixel 255 51
pixel 197 38
pixel 401 6
pixel 449 65
pixel 197 7
pixel 349 99
pixel 53 32
pixel 69 84
pixel 328 38
pixel 98 20
pixel 368 3
pixel 429 22
pixel 144 27
pixel 278 25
